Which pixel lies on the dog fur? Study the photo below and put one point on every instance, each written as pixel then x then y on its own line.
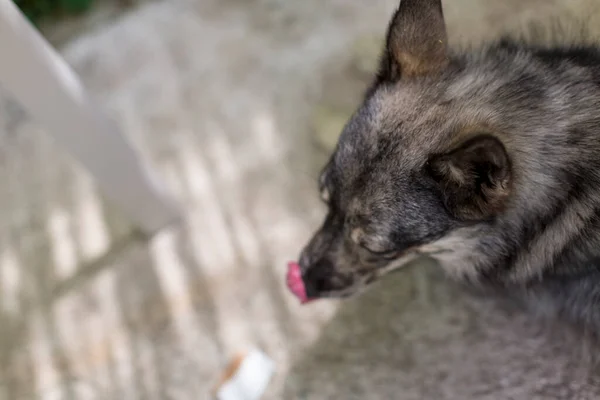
pixel 485 159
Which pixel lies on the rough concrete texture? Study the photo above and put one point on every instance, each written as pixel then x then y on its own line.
pixel 236 104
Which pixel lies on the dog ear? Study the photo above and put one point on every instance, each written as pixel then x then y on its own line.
pixel 416 40
pixel 474 178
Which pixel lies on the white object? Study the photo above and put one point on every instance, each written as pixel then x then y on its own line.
pixel 250 380
pixel 35 74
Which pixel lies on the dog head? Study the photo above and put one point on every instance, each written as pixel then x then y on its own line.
pixel 430 159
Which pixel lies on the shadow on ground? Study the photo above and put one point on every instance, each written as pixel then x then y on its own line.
pixel 419 336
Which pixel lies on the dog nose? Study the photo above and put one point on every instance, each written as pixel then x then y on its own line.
pixel 317 278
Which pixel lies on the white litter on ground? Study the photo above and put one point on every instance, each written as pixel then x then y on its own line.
pixel 247 377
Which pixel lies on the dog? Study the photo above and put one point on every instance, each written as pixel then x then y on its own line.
pixel 486 159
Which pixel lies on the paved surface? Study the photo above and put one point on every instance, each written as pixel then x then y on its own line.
pixel 236 104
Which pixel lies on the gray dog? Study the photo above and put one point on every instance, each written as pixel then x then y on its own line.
pixel 486 160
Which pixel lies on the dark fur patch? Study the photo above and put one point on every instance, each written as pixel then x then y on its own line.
pixel 474 178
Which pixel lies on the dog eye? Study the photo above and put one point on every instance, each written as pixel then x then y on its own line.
pixel 391 253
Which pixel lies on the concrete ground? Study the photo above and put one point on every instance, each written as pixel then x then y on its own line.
pixel 236 104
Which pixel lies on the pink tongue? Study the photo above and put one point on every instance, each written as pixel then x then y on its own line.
pixel 295 283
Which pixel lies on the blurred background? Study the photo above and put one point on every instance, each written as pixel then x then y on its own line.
pixel 236 105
